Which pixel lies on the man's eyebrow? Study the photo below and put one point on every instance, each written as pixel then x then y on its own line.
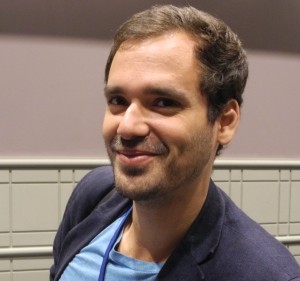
pixel 109 90
pixel 167 92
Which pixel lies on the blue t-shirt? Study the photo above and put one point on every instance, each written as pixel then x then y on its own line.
pixel 86 264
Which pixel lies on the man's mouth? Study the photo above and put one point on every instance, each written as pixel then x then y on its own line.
pixel 134 157
pixel 134 152
pixel 137 151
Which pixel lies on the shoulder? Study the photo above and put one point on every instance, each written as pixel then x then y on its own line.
pixel 97 181
pixel 252 250
pixel 90 190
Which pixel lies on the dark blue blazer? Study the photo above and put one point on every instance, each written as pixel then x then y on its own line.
pixel 223 244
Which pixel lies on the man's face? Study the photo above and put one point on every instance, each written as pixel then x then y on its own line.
pixel 155 126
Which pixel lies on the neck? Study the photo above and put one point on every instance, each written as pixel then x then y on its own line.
pixel 157 227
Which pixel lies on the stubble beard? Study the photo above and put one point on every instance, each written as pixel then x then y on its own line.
pixel 156 181
pixel 140 184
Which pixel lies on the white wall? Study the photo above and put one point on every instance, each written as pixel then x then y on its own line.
pixel 33 198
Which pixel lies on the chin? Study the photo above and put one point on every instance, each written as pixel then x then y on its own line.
pixel 132 171
pixel 137 186
pixel 138 195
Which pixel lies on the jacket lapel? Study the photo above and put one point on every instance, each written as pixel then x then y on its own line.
pixel 84 232
pixel 200 243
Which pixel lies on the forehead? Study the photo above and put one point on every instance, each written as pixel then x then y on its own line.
pixel 168 58
pixel 176 40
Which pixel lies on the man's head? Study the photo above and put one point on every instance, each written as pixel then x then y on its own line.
pixel 169 109
pixel 222 61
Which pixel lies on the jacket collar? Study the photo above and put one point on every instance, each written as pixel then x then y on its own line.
pixel 200 242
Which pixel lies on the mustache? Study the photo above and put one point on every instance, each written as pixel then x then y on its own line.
pixel 138 143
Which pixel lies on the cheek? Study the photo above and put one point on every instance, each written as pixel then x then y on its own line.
pixel 109 127
pixel 172 133
pixel 182 136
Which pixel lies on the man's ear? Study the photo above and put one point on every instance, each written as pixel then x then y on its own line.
pixel 228 122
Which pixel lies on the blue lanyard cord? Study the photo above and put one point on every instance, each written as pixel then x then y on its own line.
pixel 111 244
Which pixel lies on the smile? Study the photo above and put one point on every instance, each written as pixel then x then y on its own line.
pixel 135 157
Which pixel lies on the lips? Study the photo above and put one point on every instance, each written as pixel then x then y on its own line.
pixel 134 153
pixel 134 157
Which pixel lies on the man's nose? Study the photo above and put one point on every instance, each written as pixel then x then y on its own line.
pixel 133 123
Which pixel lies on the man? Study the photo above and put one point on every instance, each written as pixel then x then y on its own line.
pixel 174 83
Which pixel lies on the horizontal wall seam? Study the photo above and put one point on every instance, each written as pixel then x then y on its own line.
pixel 91 163
pixel 25 252
pixel 47 250
pixel 289 240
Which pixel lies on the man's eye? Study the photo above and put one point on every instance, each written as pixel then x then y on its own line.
pixel 166 103
pixel 117 101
